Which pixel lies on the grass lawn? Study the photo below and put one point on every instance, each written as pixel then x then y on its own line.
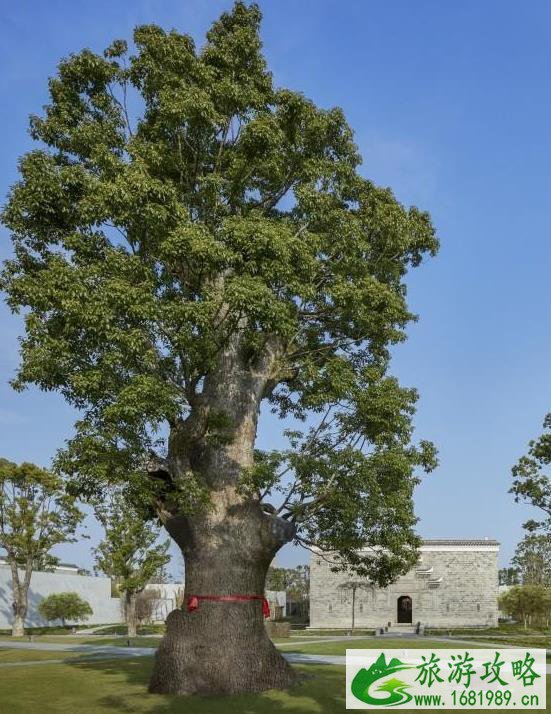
pixel 510 634
pixel 102 641
pixel 9 655
pixel 340 647
pixel 332 633
pixel 51 630
pixel 504 629
pixel 105 641
pixel 97 640
pixel 515 640
pixel 122 630
pixel 120 686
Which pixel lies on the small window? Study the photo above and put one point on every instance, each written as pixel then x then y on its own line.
pixel 361 608
pixel 478 607
pixel 448 607
pixel 330 608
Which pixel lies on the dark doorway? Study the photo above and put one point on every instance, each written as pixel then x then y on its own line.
pixel 404 609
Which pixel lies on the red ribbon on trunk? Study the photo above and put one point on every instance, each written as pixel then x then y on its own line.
pixel 193 601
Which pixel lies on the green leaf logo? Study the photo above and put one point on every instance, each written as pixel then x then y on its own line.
pixel 365 678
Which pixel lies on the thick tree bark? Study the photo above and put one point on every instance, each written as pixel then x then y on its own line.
pixel 222 647
pixel 18 625
pixel 130 611
pixel 20 591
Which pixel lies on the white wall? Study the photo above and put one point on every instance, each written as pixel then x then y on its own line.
pixel 170 592
pixel 96 591
pixel 168 600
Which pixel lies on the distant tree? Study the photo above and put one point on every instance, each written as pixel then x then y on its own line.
pixel 531 483
pixel 65 606
pixel 294 581
pixel 129 554
pixel 527 603
pixel 36 514
pixel 508 576
pixel 532 559
pixel 162 576
pixel 278 578
pixel 147 602
pixel 179 597
pixel 353 586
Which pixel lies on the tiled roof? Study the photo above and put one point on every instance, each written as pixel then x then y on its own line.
pixel 461 541
pixel 68 565
pixel 72 566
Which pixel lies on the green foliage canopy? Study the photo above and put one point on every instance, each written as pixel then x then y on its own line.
pixel 508 576
pixel 527 603
pixel 531 483
pixel 129 554
pixel 65 606
pixel 532 559
pixel 179 200
pixel 295 581
pixel 36 514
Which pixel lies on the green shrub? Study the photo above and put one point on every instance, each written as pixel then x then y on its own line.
pixel 65 606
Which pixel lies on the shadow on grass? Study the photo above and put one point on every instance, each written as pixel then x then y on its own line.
pixel 320 690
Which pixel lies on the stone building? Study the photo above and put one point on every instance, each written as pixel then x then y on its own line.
pixel 454 584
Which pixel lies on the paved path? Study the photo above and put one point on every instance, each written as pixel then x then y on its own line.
pixel 91 652
pixel 95 650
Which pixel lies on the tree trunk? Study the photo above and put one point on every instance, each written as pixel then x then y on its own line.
pixel 130 610
pixel 19 601
pixel 222 647
pixel 18 625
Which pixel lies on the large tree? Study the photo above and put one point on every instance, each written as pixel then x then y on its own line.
pixel 532 559
pixel 36 514
pixel 129 554
pixel 530 604
pixel 532 481
pixel 190 242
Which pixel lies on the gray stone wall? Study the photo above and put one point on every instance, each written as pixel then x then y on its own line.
pixel 451 586
pixel 96 591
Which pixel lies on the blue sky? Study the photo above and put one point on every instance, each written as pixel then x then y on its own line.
pixel 451 107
